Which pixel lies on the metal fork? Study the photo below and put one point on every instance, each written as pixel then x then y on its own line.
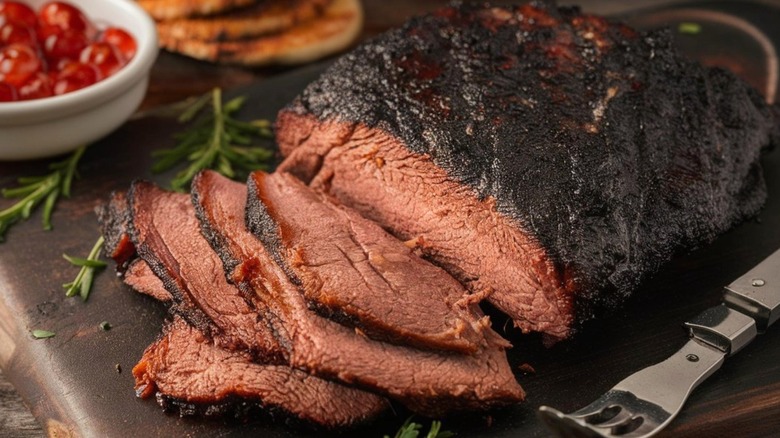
pixel 645 402
pixel 627 410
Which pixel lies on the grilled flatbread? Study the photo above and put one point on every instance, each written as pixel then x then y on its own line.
pixel 334 30
pixel 266 17
pixel 171 9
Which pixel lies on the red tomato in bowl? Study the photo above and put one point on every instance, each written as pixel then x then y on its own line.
pixel 120 39
pixel 66 44
pixel 56 50
pixel 16 12
pixel 104 56
pixel 75 76
pixel 66 17
pixel 35 87
pixel 17 63
pixel 11 32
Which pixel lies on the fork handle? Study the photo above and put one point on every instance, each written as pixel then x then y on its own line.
pixel 669 383
pixel 757 292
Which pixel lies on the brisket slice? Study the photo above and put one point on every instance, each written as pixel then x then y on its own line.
pixel 428 382
pixel 167 237
pixel 140 277
pixel 549 158
pixel 184 366
pixel 350 268
pixel 114 219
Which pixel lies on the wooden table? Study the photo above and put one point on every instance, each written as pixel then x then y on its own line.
pixel 175 78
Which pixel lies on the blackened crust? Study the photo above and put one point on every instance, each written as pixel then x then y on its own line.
pixel 114 218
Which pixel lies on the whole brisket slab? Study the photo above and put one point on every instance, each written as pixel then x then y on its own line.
pixel 428 382
pixel 547 158
pixel 354 271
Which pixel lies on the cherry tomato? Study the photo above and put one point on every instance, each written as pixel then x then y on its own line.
pixel 17 63
pixel 55 51
pixel 44 31
pixel 16 33
pixel 66 17
pixel 75 76
pixel 15 12
pixel 66 44
pixel 36 87
pixel 120 39
pixel 103 56
pixel 8 93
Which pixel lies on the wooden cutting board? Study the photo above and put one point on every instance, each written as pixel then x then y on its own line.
pixel 74 387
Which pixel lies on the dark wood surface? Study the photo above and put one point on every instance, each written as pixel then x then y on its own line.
pixel 71 384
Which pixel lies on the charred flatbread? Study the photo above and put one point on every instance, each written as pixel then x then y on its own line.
pixel 334 30
pixel 171 9
pixel 267 17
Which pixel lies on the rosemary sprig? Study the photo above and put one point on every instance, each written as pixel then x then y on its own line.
pixel 411 429
pixel 42 334
pixel 40 189
pixel 83 282
pixel 216 140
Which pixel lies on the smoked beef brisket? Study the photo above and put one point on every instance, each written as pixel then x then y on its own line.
pixel 186 369
pixel 140 277
pixel 547 158
pixel 233 366
pixel 114 220
pixel 428 382
pixel 351 270
pixel 167 237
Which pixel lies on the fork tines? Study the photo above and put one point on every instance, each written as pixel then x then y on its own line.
pixel 615 414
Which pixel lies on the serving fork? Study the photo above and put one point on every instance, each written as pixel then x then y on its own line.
pixel 647 401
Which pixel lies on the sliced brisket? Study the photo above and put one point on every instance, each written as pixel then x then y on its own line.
pixel 428 382
pixel 186 369
pixel 140 277
pixel 114 220
pixel 167 237
pixel 548 158
pixel 350 268
pixel 184 366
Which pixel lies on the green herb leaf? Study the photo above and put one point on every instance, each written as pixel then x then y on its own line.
pixel 83 282
pixel 689 28
pixel 411 429
pixel 215 140
pixel 42 334
pixel 77 261
pixel 436 431
pixel 40 189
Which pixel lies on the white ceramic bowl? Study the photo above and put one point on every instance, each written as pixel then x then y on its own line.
pixel 55 125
